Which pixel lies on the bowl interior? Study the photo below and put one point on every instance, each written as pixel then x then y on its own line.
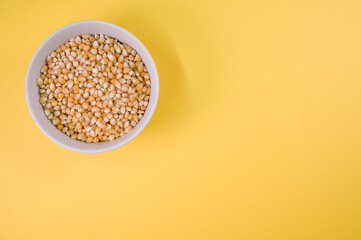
pixel 54 41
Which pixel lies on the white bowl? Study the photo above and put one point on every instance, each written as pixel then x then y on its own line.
pixel 61 36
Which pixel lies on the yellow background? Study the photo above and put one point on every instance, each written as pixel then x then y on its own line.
pixel 257 134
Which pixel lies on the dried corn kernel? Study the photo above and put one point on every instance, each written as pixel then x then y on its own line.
pixel 94 88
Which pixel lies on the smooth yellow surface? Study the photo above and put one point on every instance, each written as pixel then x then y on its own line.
pixel 257 134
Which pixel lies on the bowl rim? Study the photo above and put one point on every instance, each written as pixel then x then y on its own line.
pixel 150 108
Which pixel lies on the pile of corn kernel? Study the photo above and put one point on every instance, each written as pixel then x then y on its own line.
pixel 94 88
